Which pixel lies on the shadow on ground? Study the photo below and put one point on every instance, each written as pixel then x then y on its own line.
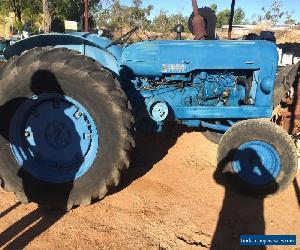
pixel 149 150
pixel 23 231
pixel 242 213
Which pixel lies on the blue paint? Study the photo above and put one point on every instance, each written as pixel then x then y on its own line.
pixel 158 110
pixel 217 127
pixel 267 85
pixel 196 83
pixel 257 163
pixel 54 138
pixel 220 112
pixel 147 58
pixel 82 42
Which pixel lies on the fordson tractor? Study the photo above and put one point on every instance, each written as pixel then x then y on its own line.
pixel 71 105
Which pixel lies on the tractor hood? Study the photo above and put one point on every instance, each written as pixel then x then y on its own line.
pixel 156 58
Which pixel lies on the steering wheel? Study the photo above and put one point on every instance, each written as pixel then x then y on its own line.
pixel 124 38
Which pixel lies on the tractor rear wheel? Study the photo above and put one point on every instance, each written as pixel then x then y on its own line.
pixel 258 156
pixel 65 129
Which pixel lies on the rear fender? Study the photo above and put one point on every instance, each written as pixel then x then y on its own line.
pixel 73 42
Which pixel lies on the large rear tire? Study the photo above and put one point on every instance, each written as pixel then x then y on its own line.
pixel 65 129
pixel 259 157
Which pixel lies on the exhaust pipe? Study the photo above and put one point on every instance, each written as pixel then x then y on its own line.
pixel 231 19
pixel 198 23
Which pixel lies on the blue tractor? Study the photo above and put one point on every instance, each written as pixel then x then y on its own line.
pixel 71 105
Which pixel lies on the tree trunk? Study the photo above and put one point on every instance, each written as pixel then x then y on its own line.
pixel 47 16
pixel 17 10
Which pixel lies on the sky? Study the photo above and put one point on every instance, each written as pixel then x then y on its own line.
pixel 250 7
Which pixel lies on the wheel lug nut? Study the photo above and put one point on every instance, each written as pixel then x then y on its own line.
pixel 87 136
pixel 78 114
pixel 27 134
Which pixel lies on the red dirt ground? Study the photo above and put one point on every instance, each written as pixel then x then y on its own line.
pixel 169 199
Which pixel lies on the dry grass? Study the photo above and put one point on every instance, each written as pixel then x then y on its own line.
pixel 290 36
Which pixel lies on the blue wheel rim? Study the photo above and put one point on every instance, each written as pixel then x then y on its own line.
pixel 256 163
pixel 54 138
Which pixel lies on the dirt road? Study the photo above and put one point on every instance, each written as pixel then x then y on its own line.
pixel 169 199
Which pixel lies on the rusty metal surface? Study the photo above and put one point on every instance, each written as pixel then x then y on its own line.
pixel 287 114
pixel 284 82
pixel 198 23
pixel 2 63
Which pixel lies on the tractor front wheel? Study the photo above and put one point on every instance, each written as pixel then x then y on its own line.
pixel 258 156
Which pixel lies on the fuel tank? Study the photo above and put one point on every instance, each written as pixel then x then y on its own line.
pixel 156 58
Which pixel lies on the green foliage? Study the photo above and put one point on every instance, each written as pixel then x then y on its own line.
pixel 118 17
pixel 18 25
pixel 161 23
pixel 274 14
pixel 6 6
pixel 164 23
pixel 26 12
pixel 223 18
pixel 136 13
pixel 289 19
pixel 179 18
pixel 239 16
pixel 30 11
pixel 214 7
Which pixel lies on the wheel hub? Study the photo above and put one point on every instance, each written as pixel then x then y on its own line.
pixel 57 135
pixel 59 141
pixel 256 163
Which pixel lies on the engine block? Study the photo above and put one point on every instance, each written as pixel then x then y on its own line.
pixel 200 89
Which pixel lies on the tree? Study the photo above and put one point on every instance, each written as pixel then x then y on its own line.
pixel 26 11
pixel 289 18
pixel 12 6
pixel 223 18
pixel 102 13
pixel 47 16
pixel 136 13
pixel 118 17
pixel 165 23
pixel 214 7
pixel 239 16
pixel 179 18
pixel 29 11
pixel 161 22
pixel 274 14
